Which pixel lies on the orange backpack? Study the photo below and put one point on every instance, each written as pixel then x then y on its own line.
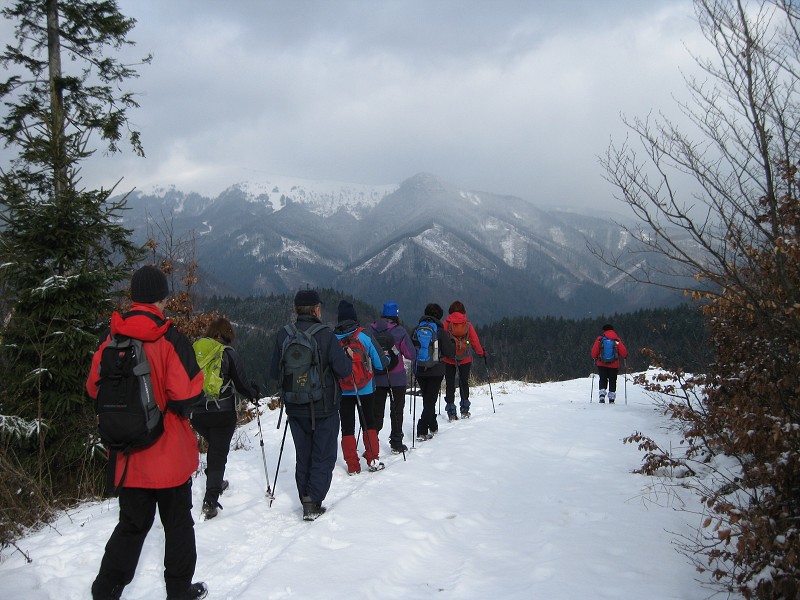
pixel 458 331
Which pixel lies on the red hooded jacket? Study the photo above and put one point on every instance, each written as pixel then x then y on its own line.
pixel 177 385
pixel 472 337
pixel 622 351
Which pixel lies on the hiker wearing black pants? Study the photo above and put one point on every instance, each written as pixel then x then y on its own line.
pixel 159 475
pixel 215 418
pixel 430 378
pixel 314 425
pixel 394 381
pixel 466 342
pixel 606 351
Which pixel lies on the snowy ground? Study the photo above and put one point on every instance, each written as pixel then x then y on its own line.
pixel 536 500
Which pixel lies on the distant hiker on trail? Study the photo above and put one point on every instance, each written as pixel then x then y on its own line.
pixel 214 417
pixel 433 343
pixel 158 475
pixel 396 345
pixel 357 389
pixel 606 351
pixel 466 341
pixel 306 362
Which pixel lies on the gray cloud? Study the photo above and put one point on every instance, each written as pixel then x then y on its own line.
pixel 514 97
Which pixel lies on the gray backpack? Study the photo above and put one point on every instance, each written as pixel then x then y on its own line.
pixel 301 371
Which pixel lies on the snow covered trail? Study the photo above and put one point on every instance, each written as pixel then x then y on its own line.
pixel 537 500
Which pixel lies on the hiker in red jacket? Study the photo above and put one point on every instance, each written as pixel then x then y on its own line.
pixel 466 341
pixel 606 352
pixel 158 475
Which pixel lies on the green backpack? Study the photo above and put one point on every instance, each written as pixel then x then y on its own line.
pixel 209 356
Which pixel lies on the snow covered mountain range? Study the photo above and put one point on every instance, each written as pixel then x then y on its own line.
pixel 420 241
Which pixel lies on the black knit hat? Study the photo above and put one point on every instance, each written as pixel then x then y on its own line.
pixel 347 312
pixel 149 285
pixel 307 298
pixel 608 327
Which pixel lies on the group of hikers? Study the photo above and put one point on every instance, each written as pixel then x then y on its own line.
pixel 327 378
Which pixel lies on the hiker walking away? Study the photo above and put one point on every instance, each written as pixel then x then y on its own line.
pixel 606 352
pixel 311 396
pixel 396 344
pixel 158 475
pixel 358 388
pixel 433 344
pixel 214 417
pixel 466 341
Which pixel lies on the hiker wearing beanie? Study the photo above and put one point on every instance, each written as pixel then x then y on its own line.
pixel 466 341
pixel 214 417
pixel 606 352
pixel 158 475
pixel 396 344
pixel 358 388
pixel 314 422
pixel 430 374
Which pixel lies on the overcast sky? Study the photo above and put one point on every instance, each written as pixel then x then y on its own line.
pixel 514 97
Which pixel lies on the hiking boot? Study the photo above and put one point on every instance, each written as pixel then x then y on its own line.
pixel 114 594
pixel 466 415
pixel 210 509
pixel 602 399
pixel 353 471
pixel 195 592
pixel 399 449
pixel 311 509
pixel 225 485
pixel 424 437
pixel 453 417
pixel 610 401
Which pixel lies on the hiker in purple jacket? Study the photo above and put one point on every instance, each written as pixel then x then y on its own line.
pixel 387 330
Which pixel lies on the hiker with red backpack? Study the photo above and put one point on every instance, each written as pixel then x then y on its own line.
pixel 466 341
pixel 357 390
pixel 606 352
pixel 396 344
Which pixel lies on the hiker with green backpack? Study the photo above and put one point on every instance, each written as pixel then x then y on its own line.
pixel 606 351
pixel 214 417
pixel 466 342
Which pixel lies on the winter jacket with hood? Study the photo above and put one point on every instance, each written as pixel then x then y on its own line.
pixel 396 377
pixel 472 338
pixel 622 351
pixel 177 386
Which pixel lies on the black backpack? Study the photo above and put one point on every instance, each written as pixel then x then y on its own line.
pixel 128 417
pixel 386 341
pixel 301 373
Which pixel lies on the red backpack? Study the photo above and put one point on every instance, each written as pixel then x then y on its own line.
pixel 458 331
pixel 362 366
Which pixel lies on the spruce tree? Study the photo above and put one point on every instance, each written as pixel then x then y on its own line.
pixel 63 252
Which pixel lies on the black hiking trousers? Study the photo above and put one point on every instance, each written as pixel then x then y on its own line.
pixel 137 510
pixel 608 378
pixel 397 404
pixel 217 428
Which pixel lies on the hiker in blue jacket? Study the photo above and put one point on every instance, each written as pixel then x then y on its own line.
pixel 608 363
pixel 358 388
pixel 395 380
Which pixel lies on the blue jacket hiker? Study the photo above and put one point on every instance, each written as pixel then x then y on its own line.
pixel 314 423
pixel 395 342
pixel 357 389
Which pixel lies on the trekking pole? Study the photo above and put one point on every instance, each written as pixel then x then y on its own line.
pixel 625 377
pixel 263 452
pixel 591 390
pixel 278 468
pixel 362 421
pixel 414 413
pixel 489 379
pixel 391 403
